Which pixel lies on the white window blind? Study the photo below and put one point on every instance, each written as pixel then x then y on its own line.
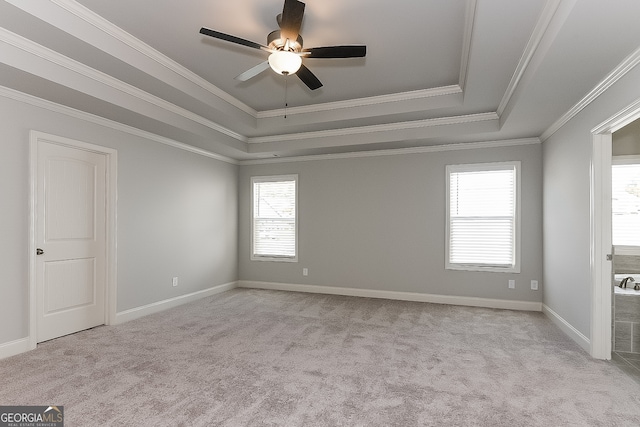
pixel 274 218
pixel 482 217
pixel 625 204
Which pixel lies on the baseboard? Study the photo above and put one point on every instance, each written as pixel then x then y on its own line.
pixel 156 307
pixel 567 328
pixel 15 347
pixel 402 296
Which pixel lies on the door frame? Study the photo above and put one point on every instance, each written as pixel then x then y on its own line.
pixel 600 236
pixel 111 157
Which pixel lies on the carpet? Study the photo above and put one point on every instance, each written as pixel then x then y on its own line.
pixel 267 358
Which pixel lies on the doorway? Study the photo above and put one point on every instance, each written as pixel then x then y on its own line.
pixel 72 244
pixel 626 245
pixel 600 236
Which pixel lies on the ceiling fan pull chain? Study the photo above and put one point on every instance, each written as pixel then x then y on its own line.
pixel 286 79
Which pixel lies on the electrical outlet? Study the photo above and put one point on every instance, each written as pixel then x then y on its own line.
pixel 305 271
pixel 534 285
pixel 512 284
pixel 175 281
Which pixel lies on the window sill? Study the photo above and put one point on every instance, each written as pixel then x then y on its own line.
pixel 487 269
pixel 274 259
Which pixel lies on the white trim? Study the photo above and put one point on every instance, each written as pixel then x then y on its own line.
pixel 363 102
pixel 600 245
pixel 111 221
pixel 482 167
pixel 467 39
pixel 114 33
pixel 600 228
pixel 111 256
pixel 539 32
pixel 274 178
pixel 620 120
pixel 118 33
pixel 628 64
pixel 81 115
pixel 393 295
pixel 397 151
pixel 387 127
pixel 33 197
pixel 56 58
pixel 12 348
pixel 566 327
pixel 156 307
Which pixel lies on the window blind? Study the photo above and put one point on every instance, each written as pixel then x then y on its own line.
pixel 625 204
pixel 274 218
pixel 482 216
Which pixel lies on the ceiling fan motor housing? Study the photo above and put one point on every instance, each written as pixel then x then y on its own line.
pixel 275 42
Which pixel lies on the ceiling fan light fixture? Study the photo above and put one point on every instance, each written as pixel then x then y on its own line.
pixel 285 62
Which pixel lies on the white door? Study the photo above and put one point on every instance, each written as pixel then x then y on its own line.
pixel 71 240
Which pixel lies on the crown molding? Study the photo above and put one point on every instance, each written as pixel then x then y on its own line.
pixel 628 64
pixel 619 120
pixel 396 97
pixel 97 21
pixel 470 19
pixel 82 23
pixel 363 102
pixel 397 151
pixel 15 95
pixel 387 127
pixel 60 13
pixel 74 66
pixel 533 47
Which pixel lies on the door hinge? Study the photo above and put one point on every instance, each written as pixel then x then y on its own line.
pixel 609 257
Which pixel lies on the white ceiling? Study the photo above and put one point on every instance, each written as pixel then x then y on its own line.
pixel 436 71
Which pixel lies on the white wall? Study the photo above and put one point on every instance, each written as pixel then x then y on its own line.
pixel 378 223
pixel 177 214
pixel 566 189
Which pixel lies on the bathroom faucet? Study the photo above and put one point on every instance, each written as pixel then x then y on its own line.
pixel 623 282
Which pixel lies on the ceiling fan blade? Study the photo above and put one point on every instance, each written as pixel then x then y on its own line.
pixel 291 19
pixel 354 51
pixel 232 39
pixel 252 72
pixel 308 78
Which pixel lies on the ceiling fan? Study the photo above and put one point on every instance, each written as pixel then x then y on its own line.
pixel 285 46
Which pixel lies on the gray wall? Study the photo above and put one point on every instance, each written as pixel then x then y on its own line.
pixel 566 188
pixel 177 214
pixel 626 141
pixel 379 223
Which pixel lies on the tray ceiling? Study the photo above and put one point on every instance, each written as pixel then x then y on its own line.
pixel 436 72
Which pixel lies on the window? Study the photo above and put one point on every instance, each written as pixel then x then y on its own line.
pixel 273 220
pixel 483 205
pixel 625 202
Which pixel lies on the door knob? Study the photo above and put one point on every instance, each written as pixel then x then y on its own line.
pixel 39 251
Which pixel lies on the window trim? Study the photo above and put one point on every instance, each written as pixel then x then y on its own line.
pixel 475 167
pixel 273 178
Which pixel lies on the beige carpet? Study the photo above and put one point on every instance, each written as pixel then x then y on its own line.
pixel 265 358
